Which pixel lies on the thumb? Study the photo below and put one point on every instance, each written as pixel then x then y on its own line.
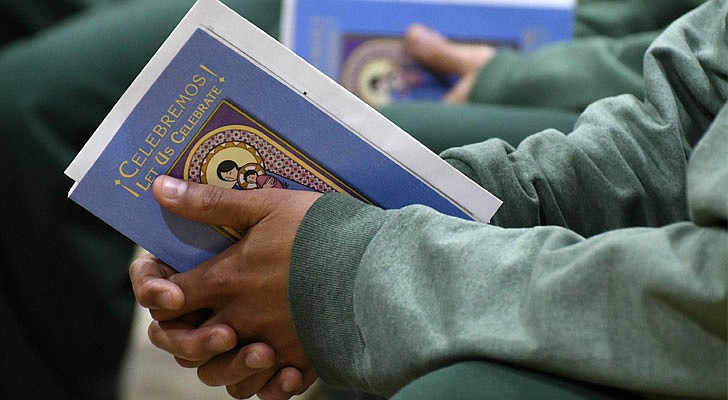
pixel 210 204
pixel 439 53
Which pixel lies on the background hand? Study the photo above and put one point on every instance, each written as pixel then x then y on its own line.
pixel 437 52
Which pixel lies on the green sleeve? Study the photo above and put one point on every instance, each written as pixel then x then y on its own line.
pixel 604 59
pixel 621 164
pixel 618 18
pixel 635 299
pixel 568 75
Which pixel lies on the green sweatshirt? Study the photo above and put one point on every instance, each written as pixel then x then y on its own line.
pixel 604 58
pixel 606 263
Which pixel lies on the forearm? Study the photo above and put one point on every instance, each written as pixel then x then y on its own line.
pixel 430 289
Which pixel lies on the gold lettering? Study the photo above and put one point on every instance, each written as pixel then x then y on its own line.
pixel 133 193
pixel 194 118
pixel 199 80
pixel 143 187
pixel 126 174
pixel 162 158
pixel 166 120
pixel 152 140
pixel 208 70
pixel 174 111
pixel 139 160
pixel 150 176
pixel 192 90
pixel 130 168
pixel 182 100
pixel 159 130
pixel 178 137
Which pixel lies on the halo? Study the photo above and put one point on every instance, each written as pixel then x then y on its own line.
pixel 259 170
pixel 375 69
pixel 375 57
pixel 239 152
pixel 203 150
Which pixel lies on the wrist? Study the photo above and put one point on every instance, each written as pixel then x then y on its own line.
pixel 324 261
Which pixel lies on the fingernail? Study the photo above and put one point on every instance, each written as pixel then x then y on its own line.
pixel 289 386
pixel 173 188
pixel 217 344
pixel 253 360
pixel 165 300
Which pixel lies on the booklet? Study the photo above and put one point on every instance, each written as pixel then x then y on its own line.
pixel 359 42
pixel 223 103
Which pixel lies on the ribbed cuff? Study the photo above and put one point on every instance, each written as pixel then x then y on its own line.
pixel 324 261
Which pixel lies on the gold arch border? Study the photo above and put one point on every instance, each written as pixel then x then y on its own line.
pixel 219 147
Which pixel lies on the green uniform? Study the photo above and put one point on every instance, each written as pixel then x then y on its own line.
pixel 517 94
pixel 604 58
pixel 606 263
pixel 65 299
pixel 25 18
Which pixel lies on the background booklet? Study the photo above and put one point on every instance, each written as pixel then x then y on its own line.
pixel 359 42
pixel 222 103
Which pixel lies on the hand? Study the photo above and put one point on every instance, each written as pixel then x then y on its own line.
pixel 435 51
pixel 244 288
pixel 252 370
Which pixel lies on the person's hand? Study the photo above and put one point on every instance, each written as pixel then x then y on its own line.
pixel 242 292
pixel 253 368
pixel 437 52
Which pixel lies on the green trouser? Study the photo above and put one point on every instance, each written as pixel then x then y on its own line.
pixel 484 380
pixel 65 300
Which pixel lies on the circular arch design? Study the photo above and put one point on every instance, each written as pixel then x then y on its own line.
pixel 221 144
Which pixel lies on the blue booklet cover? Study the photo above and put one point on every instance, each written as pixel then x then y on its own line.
pixel 359 42
pixel 222 103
